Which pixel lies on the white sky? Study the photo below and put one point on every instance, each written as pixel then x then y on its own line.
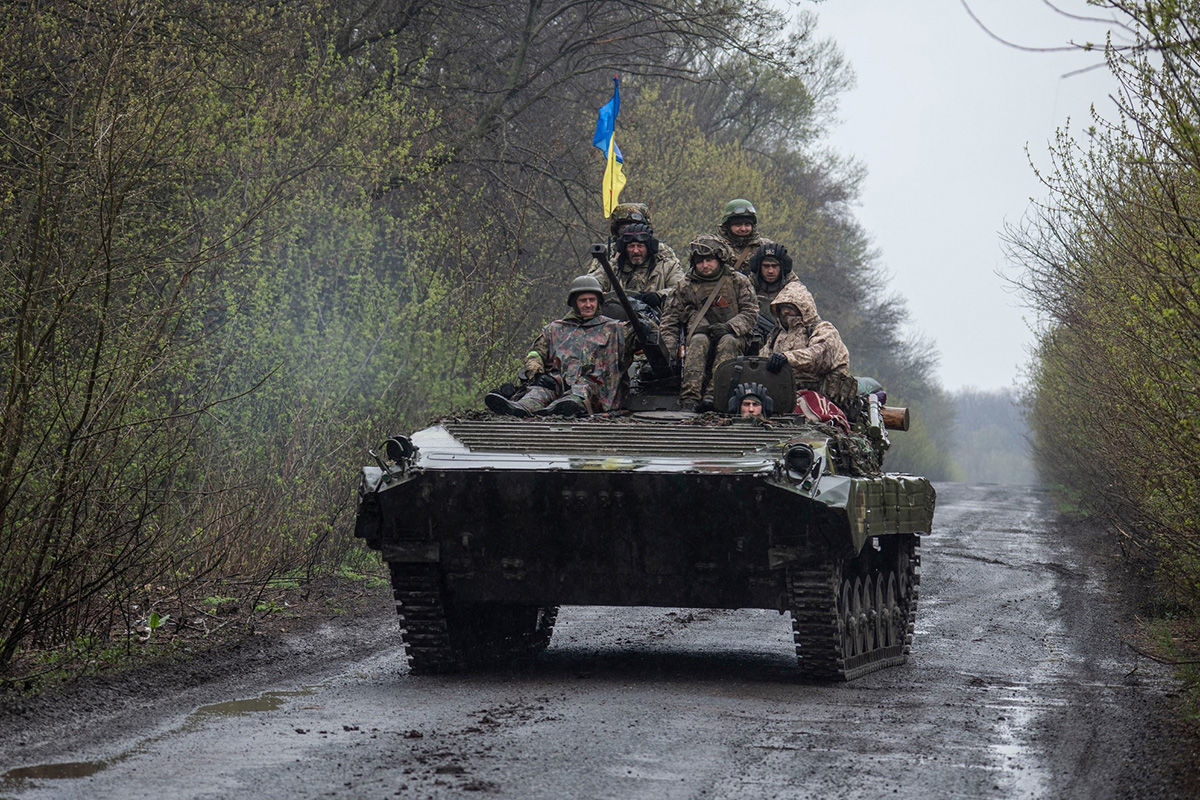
pixel 941 117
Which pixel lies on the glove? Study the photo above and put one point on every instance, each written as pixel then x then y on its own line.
pixel 719 329
pixel 546 381
pixel 776 362
pixel 652 299
pixel 763 326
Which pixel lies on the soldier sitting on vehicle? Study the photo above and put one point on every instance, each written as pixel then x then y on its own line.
pixel 715 307
pixel 810 346
pixel 577 365
pixel 770 271
pixel 739 229
pixel 750 400
pixel 645 274
pixel 665 262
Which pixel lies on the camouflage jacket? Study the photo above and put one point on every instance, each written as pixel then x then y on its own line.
pixel 591 356
pixel 662 275
pixel 813 346
pixel 742 248
pixel 735 305
pixel 767 294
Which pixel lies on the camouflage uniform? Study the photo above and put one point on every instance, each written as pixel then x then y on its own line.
pixel 767 292
pixel 661 273
pixel 742 246
pixel 590 357
pixel 813 347
pixel 736 305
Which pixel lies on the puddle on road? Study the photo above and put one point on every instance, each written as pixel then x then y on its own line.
pixel 267 701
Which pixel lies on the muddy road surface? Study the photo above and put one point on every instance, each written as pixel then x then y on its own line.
pixel 1018 686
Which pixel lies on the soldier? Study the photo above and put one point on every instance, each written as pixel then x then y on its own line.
pixel 812 347
pixel 716 309
pixel 739 229
pixel 751 400
pixel 643 274
pixel 770 271
pixel 633 214
pixel 577 364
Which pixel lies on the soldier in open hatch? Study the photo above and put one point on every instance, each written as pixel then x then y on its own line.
pixel 750 400
pixel 739 229
pixel 716 309
pixel 810 346
pixel 644 274
pixel 577 365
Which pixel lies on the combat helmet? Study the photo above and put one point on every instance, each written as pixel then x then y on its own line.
pixel 739 208
pixel 637 232
pixel 582 284
pixel 775 250
pixel 707 244
pixel 624 214
pixel 744 390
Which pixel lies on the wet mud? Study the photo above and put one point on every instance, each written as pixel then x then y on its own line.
pixel 1018 686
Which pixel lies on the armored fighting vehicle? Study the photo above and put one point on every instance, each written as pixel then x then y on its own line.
pixel 488 524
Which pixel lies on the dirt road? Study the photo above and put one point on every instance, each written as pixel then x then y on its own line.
pixel 1018 686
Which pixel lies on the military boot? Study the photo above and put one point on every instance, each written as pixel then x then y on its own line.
pixel 566 406
pixel 499 404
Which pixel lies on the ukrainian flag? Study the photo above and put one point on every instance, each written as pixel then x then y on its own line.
pixel 606 140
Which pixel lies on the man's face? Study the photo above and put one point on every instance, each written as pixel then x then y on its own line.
pixel 708 265
pixel 740 227
pixel 751 406
pixel 587 304
pixel 788 314
pixel 770 270
pixel 635 253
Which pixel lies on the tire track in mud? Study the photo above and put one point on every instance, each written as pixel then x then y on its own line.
pixel 1016 687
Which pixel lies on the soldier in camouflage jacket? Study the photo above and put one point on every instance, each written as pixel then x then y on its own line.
pixel 739 229
pixel 577 364
pixel 722 331
pixel 645 271
pixel 810 346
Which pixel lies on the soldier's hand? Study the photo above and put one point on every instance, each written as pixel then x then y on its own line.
pixel 652 299
pixel 719 329
pixel 776 362
pixel 764 325
pixel 547 381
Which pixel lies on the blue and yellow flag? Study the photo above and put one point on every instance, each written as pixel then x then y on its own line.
pixel 606 140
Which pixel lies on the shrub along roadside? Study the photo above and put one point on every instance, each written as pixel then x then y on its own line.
pixel 1111 265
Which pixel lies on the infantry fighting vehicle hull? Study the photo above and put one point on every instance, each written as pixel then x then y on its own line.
pixel 489 524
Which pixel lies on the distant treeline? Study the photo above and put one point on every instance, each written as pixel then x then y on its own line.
pixel 1112 263
pixel 243 242
pixel 991 438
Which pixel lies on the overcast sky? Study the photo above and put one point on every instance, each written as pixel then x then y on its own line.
pixel 941 117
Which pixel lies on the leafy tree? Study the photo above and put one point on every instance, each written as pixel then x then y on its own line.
pixel 1110 263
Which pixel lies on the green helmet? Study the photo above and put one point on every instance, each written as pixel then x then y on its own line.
pixel 581 285
pixel 739 208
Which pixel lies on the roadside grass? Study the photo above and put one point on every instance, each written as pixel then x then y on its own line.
pixel 167 628
pixel 1177 642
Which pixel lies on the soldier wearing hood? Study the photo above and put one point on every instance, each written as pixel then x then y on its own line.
pixel 577 364
pixel 716 309
pixel 648 269
pixel 811 347
pixel 739 229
